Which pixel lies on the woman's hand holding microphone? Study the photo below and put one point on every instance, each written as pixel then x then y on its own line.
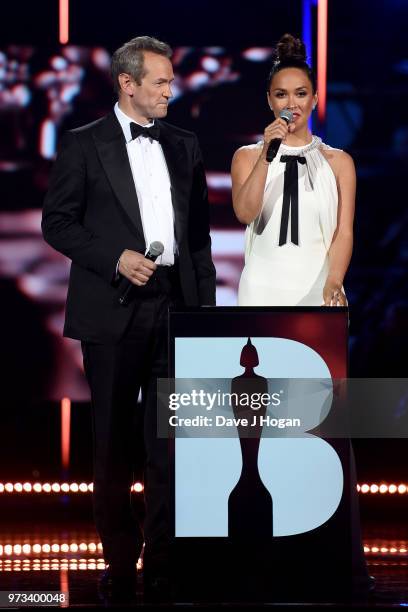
pixel 277 129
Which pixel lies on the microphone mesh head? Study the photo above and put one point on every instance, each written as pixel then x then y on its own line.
pixel 156 248
pixel 286 114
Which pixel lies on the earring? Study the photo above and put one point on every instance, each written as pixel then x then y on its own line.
pixel 314 106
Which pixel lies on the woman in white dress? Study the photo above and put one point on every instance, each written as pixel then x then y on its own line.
pixel 299 210
pixel 297 248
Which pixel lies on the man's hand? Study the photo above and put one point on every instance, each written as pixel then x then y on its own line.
pixel 135 267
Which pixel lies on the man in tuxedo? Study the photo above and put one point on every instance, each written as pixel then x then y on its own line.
pixel 118 184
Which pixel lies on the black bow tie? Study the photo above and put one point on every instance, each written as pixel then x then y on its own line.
pixel 290 199
pixel 150 132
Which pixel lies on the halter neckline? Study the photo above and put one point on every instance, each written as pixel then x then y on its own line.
pixel 314 144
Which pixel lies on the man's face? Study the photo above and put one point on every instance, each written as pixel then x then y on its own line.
pixel 150 99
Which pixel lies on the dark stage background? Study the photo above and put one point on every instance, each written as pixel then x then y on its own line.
pixel 222 56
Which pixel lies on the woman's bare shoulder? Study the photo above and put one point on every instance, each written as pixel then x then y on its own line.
pixel 337 158
pixel 248 154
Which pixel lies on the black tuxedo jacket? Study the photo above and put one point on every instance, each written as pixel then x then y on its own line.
pixel 91 214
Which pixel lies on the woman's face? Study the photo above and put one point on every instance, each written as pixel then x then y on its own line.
pixel 291 88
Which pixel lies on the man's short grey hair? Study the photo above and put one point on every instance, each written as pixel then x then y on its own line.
pixel 129 58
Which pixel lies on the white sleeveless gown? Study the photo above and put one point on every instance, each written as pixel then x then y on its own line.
pixel 291 274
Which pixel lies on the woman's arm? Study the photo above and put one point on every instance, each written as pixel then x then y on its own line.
pixel 248 184
pixel 248 174
pixel 342 244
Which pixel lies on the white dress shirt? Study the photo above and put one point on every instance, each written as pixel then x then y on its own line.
pixel 153 188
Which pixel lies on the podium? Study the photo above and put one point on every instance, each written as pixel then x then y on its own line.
pixel 278 522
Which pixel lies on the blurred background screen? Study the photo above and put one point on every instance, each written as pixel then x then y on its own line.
pixel 53 79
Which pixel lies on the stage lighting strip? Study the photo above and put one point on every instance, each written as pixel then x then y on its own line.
pixel 46 565
pixel 383 488
pixel 322 23
pixel 7 550
pixel 378 555
pixel 18 565
pixel 55 487
pixel 399 549
pixel 63 21
pixel 83 487
pixel 382 548
pixel 42 562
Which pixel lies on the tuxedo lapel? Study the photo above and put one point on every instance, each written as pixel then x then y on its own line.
pixel 111 146
pixel 175 153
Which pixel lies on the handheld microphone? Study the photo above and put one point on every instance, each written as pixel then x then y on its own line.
pixel 153 252
pixel 274 145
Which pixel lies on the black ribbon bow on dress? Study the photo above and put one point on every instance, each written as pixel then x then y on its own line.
pixel 150 132
pixel 290 199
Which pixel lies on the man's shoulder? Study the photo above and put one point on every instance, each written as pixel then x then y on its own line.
pixel 177 131
pixel 105 128
pixel 88 127
pixel 95 126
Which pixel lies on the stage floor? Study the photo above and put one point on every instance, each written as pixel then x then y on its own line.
pixel 68 558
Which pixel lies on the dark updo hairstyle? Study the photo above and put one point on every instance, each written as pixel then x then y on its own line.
pixel 291 53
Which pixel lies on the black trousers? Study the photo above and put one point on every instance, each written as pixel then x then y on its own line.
pixel 116 374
